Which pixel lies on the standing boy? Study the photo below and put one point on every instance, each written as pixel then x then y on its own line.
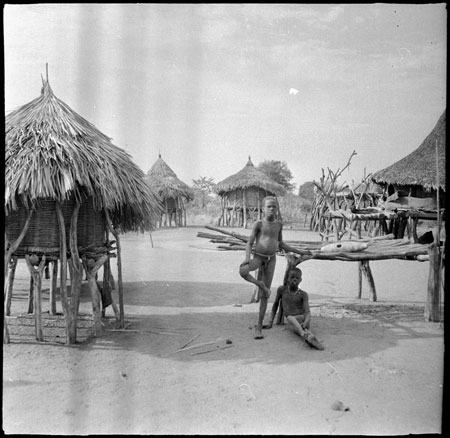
pixel 268 239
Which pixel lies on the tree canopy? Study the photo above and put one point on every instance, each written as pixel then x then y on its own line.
pixel 279 172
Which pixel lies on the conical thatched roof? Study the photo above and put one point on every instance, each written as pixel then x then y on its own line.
pixel 53 152
pixel 249 177
pixel 419 167
pixel 164 180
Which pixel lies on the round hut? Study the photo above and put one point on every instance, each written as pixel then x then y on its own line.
pixel 172 192
pixel 416 174
pixel 415 185
pixel 242 195
pixel 67 189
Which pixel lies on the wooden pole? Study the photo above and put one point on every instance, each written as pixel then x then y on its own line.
pixel 119 271
pixel 9 284
pixel 10 248
pixel 36 274
pixel 432 307
pixel 71 328
pixel 359 280
pixel 365 268
pixel 75 265
pixel 245 209
pixel 31 296
pixel 53 286
pixel 95 294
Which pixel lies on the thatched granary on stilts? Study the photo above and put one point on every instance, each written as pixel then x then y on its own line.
pixel 415 185
pixel 172 191
pixel 242 195
pixel 67 188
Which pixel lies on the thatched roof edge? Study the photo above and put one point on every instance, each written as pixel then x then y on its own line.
pixel 419 167
pixel 166 183
pixel 249 177
pixel 53 152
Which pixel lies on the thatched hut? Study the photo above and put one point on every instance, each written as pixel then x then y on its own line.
pixel 415 185
pixel 172 191
pixel 242 195
pixel 66 188
pixel 416 174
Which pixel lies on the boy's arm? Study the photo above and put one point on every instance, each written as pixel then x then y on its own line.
pixel 275 305
pixel 288 248
pixel 307 311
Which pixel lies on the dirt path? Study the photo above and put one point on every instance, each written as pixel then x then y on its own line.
pixel 381 360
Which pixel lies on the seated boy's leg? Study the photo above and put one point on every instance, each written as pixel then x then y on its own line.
pixel 294 323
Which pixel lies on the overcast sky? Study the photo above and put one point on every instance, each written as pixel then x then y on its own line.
pixel 208 85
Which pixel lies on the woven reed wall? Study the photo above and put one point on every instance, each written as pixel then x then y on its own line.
pixel 43 233
pixel 251 197
pixel 171 203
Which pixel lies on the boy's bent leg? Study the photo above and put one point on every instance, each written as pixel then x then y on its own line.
pixel 252 265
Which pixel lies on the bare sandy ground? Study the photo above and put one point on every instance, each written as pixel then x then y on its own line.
pixel 381 360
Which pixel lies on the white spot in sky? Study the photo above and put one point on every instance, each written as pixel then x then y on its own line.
pixel 293 91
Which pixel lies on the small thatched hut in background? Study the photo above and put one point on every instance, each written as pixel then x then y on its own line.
pixel 67 187
pixel 171 190
pixel 242 195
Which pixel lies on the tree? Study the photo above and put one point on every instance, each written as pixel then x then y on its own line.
pixel 306 190
pixel 279 172
pixel 203 186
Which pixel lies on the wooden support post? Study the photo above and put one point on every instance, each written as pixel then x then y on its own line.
pixel 70 319
pixel 31 296
pixel 365 268
pixel 36 274
pixel 414 229
pixel 244 209
pixel 359 280
pixel 12 265
pixel 432 306
pixel 76 267
pixel 91 271
pixel 119 270
pixel 53 286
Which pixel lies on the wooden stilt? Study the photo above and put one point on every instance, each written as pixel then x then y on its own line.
pixel 12 265
pixel 70 319
pixel 91 271
pixel 365 268
pixel 119 270
pixel 31 296
pixel 432 307
pixel 53 286
pixel 359 280
pixel 36 273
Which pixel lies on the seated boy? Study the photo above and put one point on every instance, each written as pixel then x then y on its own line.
pixel 295 305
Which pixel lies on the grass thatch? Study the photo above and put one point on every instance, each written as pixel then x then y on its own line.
pixel 53 152
pixel 419 167
pixel 165 182
pixel 247 178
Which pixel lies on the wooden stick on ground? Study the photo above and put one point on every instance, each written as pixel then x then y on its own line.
pixel 209 351
pixel 199 345
pixel 190 340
